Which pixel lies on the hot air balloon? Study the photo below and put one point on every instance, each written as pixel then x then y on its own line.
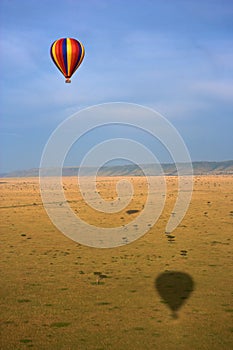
pixel 67 54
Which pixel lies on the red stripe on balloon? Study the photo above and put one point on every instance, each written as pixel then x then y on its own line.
pixel 59 55
pixel 75 50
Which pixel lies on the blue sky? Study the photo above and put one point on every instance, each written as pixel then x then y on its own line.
pixel 175 56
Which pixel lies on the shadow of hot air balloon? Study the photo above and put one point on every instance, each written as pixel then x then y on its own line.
pixel 174 287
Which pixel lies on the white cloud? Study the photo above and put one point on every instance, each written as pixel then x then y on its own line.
pixel 19 52
pixel 216 89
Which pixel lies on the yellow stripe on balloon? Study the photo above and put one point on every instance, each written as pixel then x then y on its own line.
pixel 82 55
pixel 55 57
pixel 69 55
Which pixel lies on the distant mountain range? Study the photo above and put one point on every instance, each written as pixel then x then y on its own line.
pixel 169 169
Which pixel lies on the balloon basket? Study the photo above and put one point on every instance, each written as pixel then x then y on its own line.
pixel 68 81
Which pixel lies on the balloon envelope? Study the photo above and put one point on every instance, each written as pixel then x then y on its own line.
pixel 67 54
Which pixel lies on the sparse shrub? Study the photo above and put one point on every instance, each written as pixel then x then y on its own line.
pixel 99 276
pixel 132 211
pixel 60 324
pixel 25 341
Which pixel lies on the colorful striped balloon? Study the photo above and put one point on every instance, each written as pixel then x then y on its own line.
pixel 67 54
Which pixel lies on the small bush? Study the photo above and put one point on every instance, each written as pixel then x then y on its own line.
pixel 60 324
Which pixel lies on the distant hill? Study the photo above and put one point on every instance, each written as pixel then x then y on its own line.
pixel 199 168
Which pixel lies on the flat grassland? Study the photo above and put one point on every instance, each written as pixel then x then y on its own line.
pixel 51 297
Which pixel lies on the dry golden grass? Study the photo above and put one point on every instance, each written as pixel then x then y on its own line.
pixel 49 295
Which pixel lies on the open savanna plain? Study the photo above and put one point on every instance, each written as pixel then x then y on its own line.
pixel 51 293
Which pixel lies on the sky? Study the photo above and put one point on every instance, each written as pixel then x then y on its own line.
pixel 175 56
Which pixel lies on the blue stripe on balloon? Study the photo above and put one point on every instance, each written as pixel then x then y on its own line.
pixel 64 53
